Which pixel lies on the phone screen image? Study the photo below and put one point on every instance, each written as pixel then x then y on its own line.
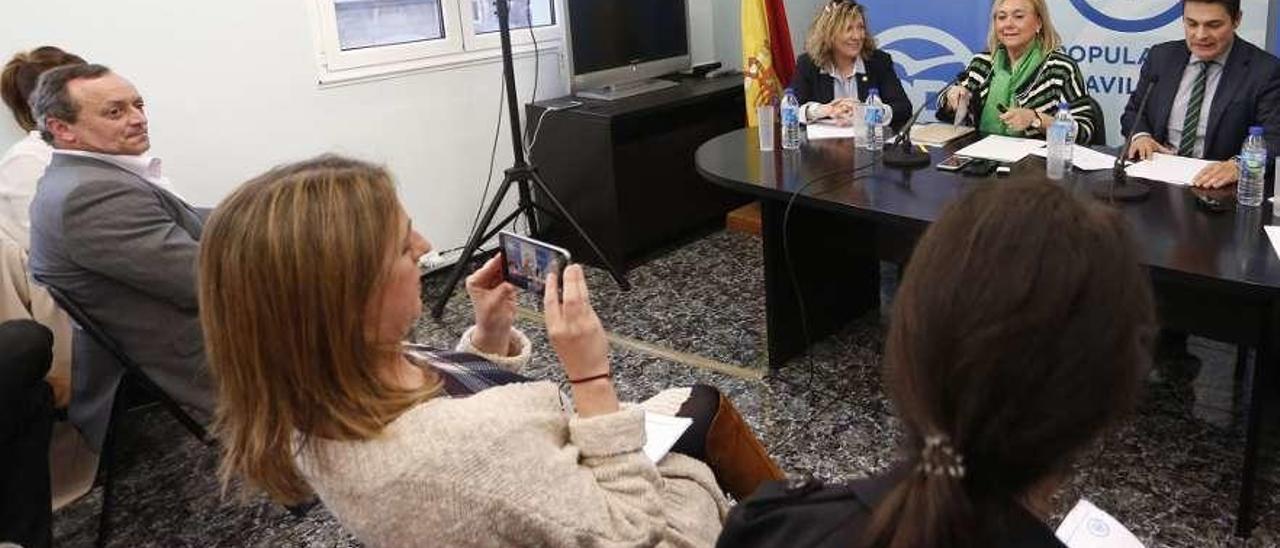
pixel 527 262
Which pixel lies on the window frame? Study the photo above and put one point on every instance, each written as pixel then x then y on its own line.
pixel 460 46
pixel 519 37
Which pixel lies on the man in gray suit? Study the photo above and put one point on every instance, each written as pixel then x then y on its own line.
pixel 108 231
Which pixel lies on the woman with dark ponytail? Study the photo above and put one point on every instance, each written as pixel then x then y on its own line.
pixel 1020 333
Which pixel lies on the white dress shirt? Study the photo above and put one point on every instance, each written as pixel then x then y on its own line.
pixel 843 87
pixel 20 170
pixel 147 167
pixel 1178 114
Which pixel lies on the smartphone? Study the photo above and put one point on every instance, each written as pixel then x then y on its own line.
pixel 979 168
pixel 561 104
pixel 1209 203
pixel 526 261
pixel 953 163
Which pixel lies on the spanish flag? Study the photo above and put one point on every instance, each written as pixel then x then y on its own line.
pixel 767 58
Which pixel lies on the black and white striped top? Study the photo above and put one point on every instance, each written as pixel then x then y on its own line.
pixel 1058 79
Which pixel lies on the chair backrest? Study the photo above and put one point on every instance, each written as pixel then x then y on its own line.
pixel 85 323
pixel 131 368
pixel 1100 132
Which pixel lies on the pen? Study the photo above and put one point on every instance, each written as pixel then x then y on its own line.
pixel 923 149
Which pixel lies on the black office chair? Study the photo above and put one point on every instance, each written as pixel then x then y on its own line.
pixel 134 381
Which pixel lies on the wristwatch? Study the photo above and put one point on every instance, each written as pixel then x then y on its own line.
pixel 1035 122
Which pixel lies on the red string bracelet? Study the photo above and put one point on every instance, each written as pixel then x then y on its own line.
pixel 592 378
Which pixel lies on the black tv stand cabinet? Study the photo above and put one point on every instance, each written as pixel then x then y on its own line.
pixel 625 169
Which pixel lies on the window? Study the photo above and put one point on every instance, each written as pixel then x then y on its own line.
pixel 372 23
pixel 485 14
pixel 370 38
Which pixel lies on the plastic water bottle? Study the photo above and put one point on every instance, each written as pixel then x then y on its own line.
pixel 874 117
pixel 790 112
pixel 1253 167
pixel 1064 116
pixel 1061 147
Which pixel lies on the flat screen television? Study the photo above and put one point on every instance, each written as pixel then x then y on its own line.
pixel 619 46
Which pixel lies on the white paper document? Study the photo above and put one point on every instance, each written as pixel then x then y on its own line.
pixel 661 433
pixel 1084 158
pixel 1170 169
pixel 1273 234
pixel 1000 148
pixel 1086 526
pixel 821 130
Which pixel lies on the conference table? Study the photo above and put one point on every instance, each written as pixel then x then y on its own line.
pixel 831 214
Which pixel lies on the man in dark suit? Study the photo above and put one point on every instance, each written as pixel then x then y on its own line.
pixel 109 232
pixel 1210 89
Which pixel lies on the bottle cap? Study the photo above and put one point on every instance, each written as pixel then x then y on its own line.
pixel 1255 131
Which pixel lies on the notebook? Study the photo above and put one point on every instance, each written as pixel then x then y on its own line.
pixel 937 134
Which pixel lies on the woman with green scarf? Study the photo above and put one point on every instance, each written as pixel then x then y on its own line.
pixel 1015 87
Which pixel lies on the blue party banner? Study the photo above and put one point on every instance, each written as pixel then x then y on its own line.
pixel 931 42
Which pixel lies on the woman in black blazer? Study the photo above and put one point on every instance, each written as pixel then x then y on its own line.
pixel 840 64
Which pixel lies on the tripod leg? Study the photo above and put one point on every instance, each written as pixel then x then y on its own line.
pixel 473 243
pixel 564 213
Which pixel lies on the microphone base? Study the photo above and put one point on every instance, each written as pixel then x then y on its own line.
pixel 906 157
pixel 1103 186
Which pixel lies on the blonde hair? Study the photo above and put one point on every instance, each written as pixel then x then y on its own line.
pixel 829 23
pixel 288 266
pixel 1050 40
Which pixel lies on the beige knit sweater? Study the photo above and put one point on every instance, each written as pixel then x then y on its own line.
pixel 510 467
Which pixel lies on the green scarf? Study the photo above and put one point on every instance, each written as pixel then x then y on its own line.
pixel 1005 82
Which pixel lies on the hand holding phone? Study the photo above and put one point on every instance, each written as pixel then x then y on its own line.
pixel 494 302
pixel 579 340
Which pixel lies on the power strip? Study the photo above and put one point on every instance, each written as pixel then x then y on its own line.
pixel 435 260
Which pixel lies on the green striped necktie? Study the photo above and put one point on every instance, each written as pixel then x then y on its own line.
pixel 1190 126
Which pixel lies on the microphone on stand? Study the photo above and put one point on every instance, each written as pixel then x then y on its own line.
pixel 1116 185
pixel 903 153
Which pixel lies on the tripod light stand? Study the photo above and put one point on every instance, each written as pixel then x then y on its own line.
pixel 522 175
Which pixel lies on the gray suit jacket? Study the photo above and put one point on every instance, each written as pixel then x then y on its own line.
pixel 125 251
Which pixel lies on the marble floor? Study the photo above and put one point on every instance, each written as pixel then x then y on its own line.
pixel 696 315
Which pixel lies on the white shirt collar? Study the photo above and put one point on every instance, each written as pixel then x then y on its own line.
pixel 1221 59
pixel 858 68
pixel 144 166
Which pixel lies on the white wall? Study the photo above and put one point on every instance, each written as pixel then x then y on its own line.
pixel 702 31
pixel 231 90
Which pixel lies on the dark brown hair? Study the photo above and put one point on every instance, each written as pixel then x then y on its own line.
pixel 1020 332
pixel 18 79
pixel 1232 6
